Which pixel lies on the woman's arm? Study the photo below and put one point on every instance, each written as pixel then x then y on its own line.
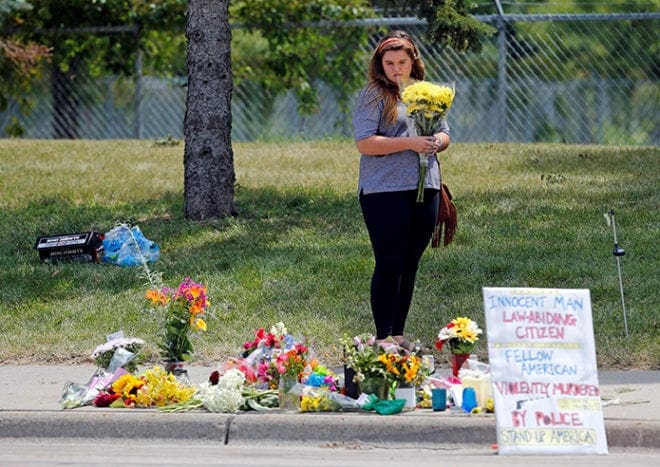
pixel 377 145
pixel 444 140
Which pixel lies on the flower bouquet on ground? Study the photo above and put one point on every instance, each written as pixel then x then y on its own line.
pixel 462 333
pixel 227 392
pixel 385 362
pixel 153 388
pixel 403 369
pixel 320 377
pixel 118 352
pixel 78 395
pixel 115 358
pixel 427 104
pixel 182 311
pixel 322 399
pixel 361 354
pixel 274 354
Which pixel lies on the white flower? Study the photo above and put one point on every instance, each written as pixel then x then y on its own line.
pixel 226 396
pixel 445 334
pixel 279 329
pixel 114 344
pixel 232 379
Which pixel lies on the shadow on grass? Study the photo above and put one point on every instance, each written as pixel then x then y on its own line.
pixel 289 228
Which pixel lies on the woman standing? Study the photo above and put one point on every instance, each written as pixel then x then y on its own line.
pixel 399 227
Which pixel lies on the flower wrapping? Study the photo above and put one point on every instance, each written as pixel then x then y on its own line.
pixel 118 352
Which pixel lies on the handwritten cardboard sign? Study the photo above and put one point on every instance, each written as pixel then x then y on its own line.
pixel 543 367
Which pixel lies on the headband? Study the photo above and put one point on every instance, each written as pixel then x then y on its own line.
pixel 398 42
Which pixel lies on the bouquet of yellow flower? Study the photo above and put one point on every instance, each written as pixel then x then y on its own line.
pixel 427 104
pixel 184 308
pixel 462 333
pixel 403 369
pixel 154 388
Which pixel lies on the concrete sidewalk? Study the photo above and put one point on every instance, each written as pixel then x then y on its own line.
pixel 31 393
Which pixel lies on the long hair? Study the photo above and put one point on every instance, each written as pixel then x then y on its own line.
pixel 390 92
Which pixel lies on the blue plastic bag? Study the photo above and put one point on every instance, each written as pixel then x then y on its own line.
pixel 127 246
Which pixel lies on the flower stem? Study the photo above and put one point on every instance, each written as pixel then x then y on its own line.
pixel 423 167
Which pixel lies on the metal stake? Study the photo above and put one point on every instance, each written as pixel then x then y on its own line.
pixel 618 252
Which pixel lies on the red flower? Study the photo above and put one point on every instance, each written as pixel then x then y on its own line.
pixel 270 340
pixel 104 399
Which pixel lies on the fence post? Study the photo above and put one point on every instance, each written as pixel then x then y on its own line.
pixel 501 74
pixel 138 86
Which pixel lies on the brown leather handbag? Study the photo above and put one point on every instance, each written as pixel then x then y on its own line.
pixel 447 219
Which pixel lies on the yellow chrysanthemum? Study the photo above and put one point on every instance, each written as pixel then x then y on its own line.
pixel 427 104
pixel 427 97
pixel 410 375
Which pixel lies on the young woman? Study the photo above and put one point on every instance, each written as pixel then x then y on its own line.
pixel 399 227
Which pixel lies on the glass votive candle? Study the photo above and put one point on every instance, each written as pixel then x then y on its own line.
pixel 469 399
pixel 439 399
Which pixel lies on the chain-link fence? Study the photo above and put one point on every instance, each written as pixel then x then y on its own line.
pixel 590 78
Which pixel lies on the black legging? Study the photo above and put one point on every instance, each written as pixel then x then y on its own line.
pixel 400 230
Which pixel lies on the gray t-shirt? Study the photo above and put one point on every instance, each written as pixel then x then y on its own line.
pixel 397 171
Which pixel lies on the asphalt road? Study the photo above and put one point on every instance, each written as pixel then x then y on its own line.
pixel 44 452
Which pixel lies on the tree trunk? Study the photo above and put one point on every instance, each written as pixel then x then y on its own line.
pixel 208 156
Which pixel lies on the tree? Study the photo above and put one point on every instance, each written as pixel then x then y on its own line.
pixel 208 156
pixel 451 24
pixel 19 64
pixel 308 42
pixel 93 38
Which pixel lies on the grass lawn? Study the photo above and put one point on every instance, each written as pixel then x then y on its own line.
pixel 298 252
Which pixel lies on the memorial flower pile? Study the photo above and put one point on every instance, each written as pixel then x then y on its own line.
pixel 462 333
pixel 427 104
pixel 248 382
pixel 182 311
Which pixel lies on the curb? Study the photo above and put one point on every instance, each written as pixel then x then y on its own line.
pixel 633 433
pixel 403 430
